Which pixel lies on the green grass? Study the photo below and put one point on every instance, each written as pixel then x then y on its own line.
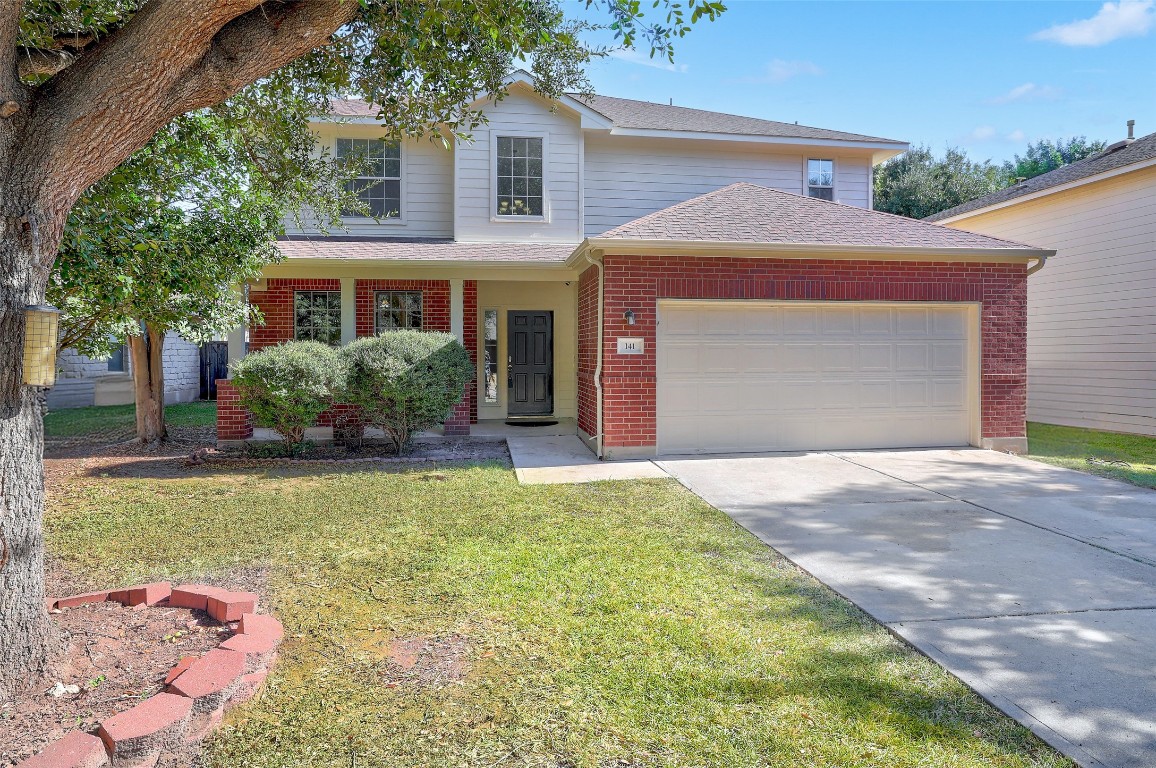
pixel 1071 447
pixel 81 422
pixel 608 621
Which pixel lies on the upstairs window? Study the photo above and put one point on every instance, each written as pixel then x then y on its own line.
pixel 821 179
pixel 519 176
pixel 317 316
pixel 396 309
pixel 379 188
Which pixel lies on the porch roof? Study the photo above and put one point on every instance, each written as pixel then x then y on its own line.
pixel 423 250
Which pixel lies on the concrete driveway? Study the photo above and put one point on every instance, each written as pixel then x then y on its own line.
pixel 1035 585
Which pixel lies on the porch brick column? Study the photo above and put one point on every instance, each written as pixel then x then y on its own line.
pixel 458 309
pixel 458 423
pixel 348 310
pixel 233 421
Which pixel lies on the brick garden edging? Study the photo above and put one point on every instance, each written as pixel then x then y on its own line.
pixel 197 691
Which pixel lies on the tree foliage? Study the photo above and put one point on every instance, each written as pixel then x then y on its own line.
pixel 287 386
pixel 918 184
pixel 1046 155
pixel 405 381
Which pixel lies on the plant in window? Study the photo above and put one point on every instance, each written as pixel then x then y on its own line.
pixel 405 381
pixel 288 386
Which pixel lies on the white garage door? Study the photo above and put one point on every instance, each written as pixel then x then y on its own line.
pixel 745 376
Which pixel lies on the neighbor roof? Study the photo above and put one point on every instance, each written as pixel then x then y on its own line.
pixel 748 213
pixel 1138 151
pixel 416 249
pixel 646 115
pixel 352 108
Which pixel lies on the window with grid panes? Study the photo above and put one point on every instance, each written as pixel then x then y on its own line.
pixel 519 176
pixel 317 316
pixel 379 188
pixel 396 309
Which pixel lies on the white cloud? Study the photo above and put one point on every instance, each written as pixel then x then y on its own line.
pixel 1126 18
pixel 1028 92
pixel 632 56
pixel 1017 135
pixel 780 71
pixel 982 133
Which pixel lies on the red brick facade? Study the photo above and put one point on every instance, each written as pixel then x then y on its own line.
pixel 276 306
pixel 637 283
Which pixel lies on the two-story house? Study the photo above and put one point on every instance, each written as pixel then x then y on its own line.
pixel 673 280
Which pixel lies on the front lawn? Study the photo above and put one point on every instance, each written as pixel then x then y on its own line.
pixel 611 624
pixel 1131 458
pixel 115 419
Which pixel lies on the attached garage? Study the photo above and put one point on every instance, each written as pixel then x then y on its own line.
pixel 735 376
pixel 751 320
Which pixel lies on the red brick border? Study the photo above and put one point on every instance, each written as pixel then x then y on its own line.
pixel 197 690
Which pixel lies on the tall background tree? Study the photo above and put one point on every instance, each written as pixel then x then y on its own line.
pixel 161 243
pixel 1046 155
pixel 918 184
pixel 86 83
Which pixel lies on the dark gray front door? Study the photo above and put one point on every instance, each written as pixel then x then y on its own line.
pixel 530 374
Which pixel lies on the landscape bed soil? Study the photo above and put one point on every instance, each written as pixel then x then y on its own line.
pixel 117 655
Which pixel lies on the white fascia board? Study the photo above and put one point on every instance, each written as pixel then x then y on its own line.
pixel 1051 190
pixel 893 147
pixel 629 247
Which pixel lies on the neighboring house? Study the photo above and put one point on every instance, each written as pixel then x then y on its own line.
pixel 82 381
pixel 674 280
pixel 1091 313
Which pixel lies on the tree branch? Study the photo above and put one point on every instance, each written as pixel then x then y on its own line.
pixel 34 62
pixel 174 56
pixel 10 13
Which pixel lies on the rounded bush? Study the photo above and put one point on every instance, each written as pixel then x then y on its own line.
pixel 288 386
pixel 405 381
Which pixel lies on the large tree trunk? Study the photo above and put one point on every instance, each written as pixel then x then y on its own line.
pixel 27 639
pixel 148 378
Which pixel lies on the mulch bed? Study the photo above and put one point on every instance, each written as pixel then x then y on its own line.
pixel 117 656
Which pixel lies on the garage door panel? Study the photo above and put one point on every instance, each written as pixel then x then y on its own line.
pixel 738 376
pixel 912 357
pixel 875 357
pixel 875 321
pixel 874 394
pixel 838 357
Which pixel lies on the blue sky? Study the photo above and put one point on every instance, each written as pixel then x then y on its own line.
pixel 987 76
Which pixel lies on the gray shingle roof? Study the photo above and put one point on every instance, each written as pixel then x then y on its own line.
pixel 748 213
pixel 628 113
pixel 414 249
pixel 352 108
pixel 1138 151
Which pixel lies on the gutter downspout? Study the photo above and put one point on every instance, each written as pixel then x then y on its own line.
pixel 1037 266
pixel 598 366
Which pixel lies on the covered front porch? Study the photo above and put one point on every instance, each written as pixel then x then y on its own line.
pixel 514 309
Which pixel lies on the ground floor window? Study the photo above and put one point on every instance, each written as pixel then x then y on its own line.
pixel 490 347
pixel 317 316
pixel 395 310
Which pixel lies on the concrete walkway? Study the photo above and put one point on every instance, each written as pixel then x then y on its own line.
pixel 1033 584
pixel 565 459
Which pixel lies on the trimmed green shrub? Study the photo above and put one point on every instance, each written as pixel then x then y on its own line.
pixel 288 386
pixel 405 381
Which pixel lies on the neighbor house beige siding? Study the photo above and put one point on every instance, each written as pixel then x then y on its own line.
pixel 1092 308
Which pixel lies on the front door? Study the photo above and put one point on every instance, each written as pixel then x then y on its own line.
pixel 530 372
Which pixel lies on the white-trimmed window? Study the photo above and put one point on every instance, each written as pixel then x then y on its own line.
pixel 519 176
pixel 821 179
pixel 394 310
pixel 317 316
pixel 380 186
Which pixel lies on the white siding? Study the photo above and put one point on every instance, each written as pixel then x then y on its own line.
pixel 427 182
pixel 628 177
pixel 525 115
pixel 1091 316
